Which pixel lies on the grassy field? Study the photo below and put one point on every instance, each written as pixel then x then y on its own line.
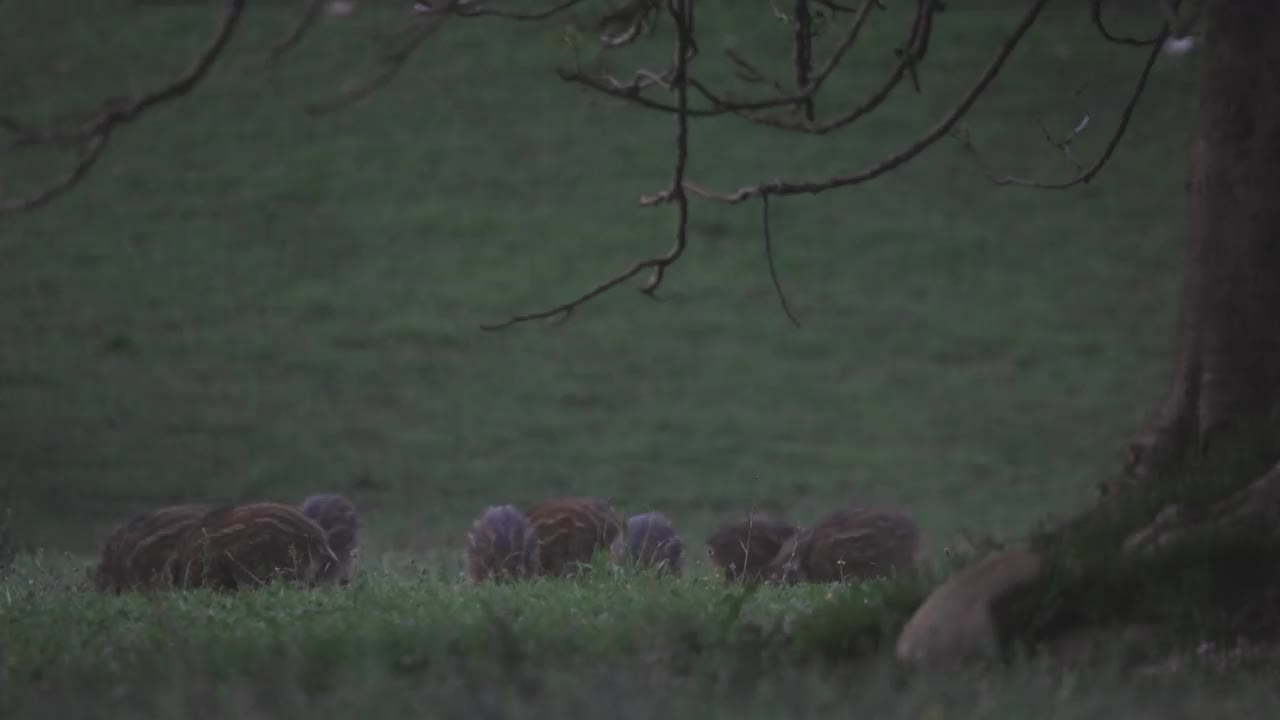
pixel 246 302
pixel 634 646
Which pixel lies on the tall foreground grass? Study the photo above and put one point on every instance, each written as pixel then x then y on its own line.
pixel 632 646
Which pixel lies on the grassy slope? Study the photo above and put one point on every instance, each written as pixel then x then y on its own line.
pixel 244 302
pixel 247 302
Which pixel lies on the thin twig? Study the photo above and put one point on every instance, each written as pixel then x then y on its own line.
pixel 839 8
pixel 1087 174
pixel 892 162
pixel 1064 145
pixel 1178 22
pixel 1095 14
pixel 430 19
pixel 93 135
pixel 473 9
pixel 749 73
pixel 90 152
pixel 722 105
pixel 392 63
pixel 23 135
pixel 306 19
pixel 116 110
pixel 816 81
pixel 632 92
pixel 918 47
pixel 802 41
pixel 773 270
pixel 909 56
pixel 746 544
pixel 635 17
pixel 682 14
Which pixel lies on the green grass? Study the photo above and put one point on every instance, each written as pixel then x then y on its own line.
pixel 245 302
pixel 639 646
pixel 383 618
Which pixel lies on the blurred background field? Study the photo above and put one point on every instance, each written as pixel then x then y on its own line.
pixel 247 302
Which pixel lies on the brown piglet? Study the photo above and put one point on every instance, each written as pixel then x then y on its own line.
pixel 141 553
pixel 247 546
pixel 570 530
pixel 744 548
pixel 852 544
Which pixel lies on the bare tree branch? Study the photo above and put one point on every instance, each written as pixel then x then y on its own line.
pixel 624 25
pixel 802 50
pixel 773 269
pixel 392 63
pixel 722 105
pixel 917 48
pixel 892 162
pixel 430 18
pixel 909 55
pixel 681 187
pixel 632 91
pixel 92 135
pixel 682 13
pixel 841 8
pixel 1087 174
pixel 749 73
pixel 306 19
pixel 477 8
pixel 1180 22
pixel 16 128
pixel 89 154
pixel 815 82
pixel 1095 13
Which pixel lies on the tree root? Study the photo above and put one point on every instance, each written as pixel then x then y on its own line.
pixel 1252 511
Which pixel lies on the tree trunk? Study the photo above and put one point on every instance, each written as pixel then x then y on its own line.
pixel 1212 547
pixel 1226 380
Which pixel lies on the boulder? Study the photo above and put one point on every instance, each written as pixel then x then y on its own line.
pixel 955 622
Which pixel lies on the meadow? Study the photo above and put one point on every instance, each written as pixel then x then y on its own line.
pixel 247 302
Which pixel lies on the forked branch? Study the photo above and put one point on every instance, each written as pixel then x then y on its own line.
pixel 306 19
pixel 681 187
pixel 428 18
pixel 393 61
pixel 754 110
pixel 721 104
pixel 1095 14
pixel 1086 174
pixel 627 23
pixel 682 15
pixel 909 56
pixel 90 137
pixel 893 161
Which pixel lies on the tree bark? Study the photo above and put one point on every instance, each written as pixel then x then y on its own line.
pixel 1214 545
pixel 1226 379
